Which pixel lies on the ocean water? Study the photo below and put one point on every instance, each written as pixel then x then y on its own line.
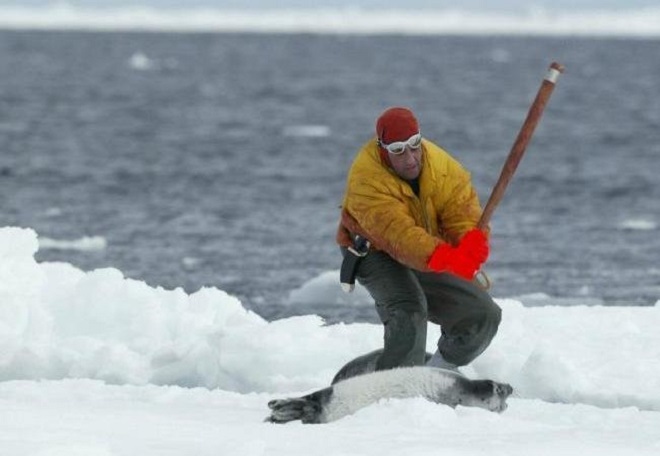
pixel 218 160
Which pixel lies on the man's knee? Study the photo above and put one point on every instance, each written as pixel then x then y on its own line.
pixel 492 319
pixel 492 313
pixel 479 305
pixel 466 339
pixel 483 321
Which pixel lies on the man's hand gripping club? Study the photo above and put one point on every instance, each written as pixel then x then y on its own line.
pixel 463 260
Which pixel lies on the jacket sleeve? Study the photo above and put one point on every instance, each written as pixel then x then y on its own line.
pixel 387 222
pixel 460 211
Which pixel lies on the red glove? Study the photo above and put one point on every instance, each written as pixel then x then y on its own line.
pixel 465 259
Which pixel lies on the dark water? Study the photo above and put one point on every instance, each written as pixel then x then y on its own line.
pixel 191 166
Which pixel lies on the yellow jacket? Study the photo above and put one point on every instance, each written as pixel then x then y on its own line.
pixel 382 207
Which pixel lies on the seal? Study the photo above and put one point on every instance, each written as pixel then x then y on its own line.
pixel 351 394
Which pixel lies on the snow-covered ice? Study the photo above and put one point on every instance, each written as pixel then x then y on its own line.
pixel 97 364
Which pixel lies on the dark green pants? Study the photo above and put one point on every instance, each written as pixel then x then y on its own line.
pixel 406 299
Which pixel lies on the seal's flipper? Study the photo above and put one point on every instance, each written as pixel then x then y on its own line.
pixel 285 410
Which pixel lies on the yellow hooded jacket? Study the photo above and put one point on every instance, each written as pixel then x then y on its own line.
pixel 383 208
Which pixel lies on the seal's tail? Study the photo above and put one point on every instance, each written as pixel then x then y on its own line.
pixel 300 408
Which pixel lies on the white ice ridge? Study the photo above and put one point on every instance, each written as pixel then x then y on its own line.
pixel 641 22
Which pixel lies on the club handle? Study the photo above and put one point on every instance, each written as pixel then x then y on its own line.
pixel 521 142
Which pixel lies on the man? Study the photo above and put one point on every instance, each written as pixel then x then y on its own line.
pixel 417 207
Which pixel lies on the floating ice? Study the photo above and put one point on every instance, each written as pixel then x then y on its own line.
pixel 638 225
pixel 140 61
pixel 84 244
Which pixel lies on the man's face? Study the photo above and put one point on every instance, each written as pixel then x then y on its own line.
pixel 407 165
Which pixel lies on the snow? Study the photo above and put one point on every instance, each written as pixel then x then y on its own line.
pixel 97 364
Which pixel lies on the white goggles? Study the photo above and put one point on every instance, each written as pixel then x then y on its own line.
pixel 399 147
